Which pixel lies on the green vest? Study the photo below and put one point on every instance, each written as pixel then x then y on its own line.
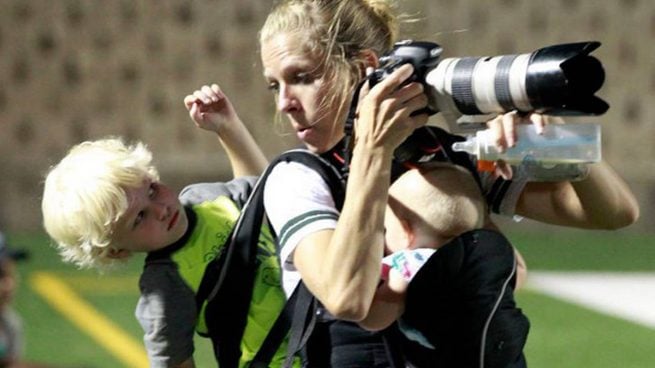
pixel 215 220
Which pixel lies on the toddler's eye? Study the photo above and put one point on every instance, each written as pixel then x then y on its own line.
pixel 152 190
pixel 139 218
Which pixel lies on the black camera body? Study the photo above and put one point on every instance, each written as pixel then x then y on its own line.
pixel 424 56
pixel 555 80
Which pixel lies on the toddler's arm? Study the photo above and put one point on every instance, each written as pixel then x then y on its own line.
pixel 211 110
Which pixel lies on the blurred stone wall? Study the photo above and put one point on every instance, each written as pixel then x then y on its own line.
pixel 72 70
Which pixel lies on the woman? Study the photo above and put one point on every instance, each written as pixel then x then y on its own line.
pixel 314 54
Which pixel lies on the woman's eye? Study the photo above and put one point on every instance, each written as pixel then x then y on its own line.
pixel 274 87
pixel 303 78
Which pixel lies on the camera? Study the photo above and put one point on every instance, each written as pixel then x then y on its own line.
pixel 554 80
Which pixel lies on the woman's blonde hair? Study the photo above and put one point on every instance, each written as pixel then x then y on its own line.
pixel 339 32
pixel 84 196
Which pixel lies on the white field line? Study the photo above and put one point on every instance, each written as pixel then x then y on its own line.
pixel 626 295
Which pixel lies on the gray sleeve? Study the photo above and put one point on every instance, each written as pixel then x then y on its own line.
pixel 11 325
pixel 167 313
pixel 236 189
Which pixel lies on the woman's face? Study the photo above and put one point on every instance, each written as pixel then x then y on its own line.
pixel 299 81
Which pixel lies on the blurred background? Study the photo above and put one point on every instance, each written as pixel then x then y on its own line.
pixel 73 70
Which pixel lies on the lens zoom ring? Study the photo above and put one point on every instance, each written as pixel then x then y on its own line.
pixel 462 86
pixel 501 82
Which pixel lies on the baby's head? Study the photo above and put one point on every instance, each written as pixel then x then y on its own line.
pixel 430 206
pixel 85 195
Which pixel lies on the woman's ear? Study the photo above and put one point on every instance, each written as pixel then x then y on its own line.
pixel 118 253
pixel 370 59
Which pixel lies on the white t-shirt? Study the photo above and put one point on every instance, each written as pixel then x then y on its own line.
pixel 298 202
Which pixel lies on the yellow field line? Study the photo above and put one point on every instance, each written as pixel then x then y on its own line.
pixel 62 298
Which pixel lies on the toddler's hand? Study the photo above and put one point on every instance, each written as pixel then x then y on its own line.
pixel 210 109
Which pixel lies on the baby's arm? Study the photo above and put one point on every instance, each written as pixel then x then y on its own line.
pixel 211 110
pixel 383 312
pixel 398 269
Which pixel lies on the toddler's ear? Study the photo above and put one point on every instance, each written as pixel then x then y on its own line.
pixel 118 253
pixel 410 234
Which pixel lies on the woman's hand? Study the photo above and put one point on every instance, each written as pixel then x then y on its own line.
pixel 502 131
pixel 384 117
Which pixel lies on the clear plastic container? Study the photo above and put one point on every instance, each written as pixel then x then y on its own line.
pixel 559 144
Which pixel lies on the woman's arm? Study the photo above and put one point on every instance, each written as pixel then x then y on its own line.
pixel 341 267
pixel 602 200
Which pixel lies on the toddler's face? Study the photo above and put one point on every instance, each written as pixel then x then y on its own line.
pixel 154 219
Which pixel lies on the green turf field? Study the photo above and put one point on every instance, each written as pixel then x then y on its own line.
pixel 94 326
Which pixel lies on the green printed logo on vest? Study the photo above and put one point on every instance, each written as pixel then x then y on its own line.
pixel 215 220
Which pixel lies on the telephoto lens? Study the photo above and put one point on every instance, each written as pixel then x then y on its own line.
pixel 555 80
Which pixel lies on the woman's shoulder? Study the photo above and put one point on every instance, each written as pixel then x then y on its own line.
pixel 296 164
pixel 292 177
pixel 291 183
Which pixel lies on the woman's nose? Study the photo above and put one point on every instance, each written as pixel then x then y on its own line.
pixel 286 101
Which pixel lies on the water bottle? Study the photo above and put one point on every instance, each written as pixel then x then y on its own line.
pixel 560 144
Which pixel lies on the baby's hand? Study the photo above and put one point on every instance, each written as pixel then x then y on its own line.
pixel 400 267
pixel 210 109
pixel 396 283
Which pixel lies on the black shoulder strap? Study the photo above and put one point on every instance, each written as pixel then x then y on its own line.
pixel 303 314
pixel 331 174
pixel 229 280
pixel 303 320
pixel 276 334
